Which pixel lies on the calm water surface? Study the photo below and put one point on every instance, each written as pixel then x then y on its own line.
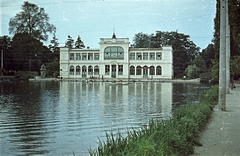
pixel 59 118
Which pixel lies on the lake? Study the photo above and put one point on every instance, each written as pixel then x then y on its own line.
pixel 59 118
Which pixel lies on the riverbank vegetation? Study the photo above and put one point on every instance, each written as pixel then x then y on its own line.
pixel 176 136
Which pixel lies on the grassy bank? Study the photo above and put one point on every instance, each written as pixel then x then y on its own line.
pixel 176 136
pixel 25 75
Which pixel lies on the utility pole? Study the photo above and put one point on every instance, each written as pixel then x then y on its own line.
pixel 227 50
pixel 222 63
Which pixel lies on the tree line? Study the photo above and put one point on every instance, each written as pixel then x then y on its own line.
pixel 31 27
pixel 25 50
pixel 188 60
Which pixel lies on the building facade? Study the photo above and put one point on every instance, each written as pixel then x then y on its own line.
pixel 116 60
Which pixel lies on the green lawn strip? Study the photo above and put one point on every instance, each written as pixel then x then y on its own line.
pixel 176 136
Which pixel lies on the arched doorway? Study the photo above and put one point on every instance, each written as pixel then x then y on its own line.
pixel 145 72
pixel 84 71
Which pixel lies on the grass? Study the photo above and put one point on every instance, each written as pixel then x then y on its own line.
pixel 175 137
pixel 25 75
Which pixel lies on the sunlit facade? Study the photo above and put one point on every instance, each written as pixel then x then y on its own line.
pixel 116 60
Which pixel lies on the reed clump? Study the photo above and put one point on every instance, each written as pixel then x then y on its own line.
pixel 176 136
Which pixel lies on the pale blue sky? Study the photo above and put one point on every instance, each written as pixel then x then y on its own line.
pixel 94 19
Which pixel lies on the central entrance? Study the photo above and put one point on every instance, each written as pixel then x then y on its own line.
pixel 113 71
pixel 145 72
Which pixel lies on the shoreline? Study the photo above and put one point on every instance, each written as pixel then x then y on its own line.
pixel 117 80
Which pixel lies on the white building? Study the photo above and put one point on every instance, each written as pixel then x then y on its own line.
pixel 116 60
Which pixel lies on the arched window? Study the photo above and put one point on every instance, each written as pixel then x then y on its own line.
pixel 84 70
pixel 152 70
pixel 90 70
pixel 132 70
pixel 78 70
pixel 96 70
pixel 139 70
pixel 159 70
pixel 114 52
pixel 120 69
pixel 71 70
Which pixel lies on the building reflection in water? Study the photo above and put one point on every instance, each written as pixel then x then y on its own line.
pixel 117 104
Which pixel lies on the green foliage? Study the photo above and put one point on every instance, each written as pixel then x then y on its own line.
pixel 5 44
pixel 28 53
pixel 69 42
pixel 235 67
pixel 192 71
pixel 79 43
pixel 33 21
pixel 208 54
pixel 176 136
pixel 234 16
pixel 184 50
pixel 141 40
pixel 52 69
pixel 215 71
pixel 200 63
pixel 210 97
pixel 53 47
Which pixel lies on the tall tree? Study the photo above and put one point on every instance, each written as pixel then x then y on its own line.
pixel 216 36
pixel 234 16
pixel 79 43
pixel 184 50
pixel 69 42
pixel 5 43
pixel 28 53
pixel 192 71
pixel 141 40
pixel 208 54
pixel 53 47
pixel 200 63
pixel 33 21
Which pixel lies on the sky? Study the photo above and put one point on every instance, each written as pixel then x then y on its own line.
pixel 95 19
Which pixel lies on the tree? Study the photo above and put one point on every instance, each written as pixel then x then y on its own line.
pixel 192 71
pixel 200 63
pixel 235 67
pixel 79 43
pixel 53 47
pixel 33 21
pixel 215 71
pixel 184 50
pixel 28 53
pixel 234 16
pixel 69 42
pixel 141 40
pixel 208 54
pixel 52 69
pixel 5 43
